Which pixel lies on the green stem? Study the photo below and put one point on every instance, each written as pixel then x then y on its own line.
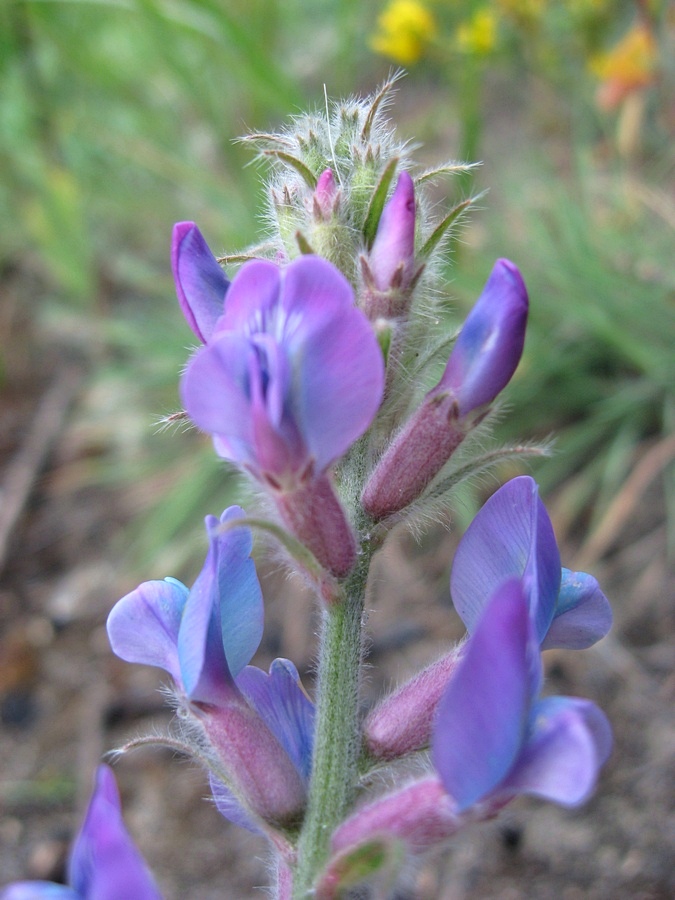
pixel 337 735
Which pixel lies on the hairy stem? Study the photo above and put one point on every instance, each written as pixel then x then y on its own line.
pixel 337 735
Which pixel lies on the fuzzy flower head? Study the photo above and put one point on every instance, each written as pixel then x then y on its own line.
pixel 104 862
pixel 291 376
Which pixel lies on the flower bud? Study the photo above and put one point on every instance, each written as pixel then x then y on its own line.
pixel 389 269
pixel 258 769
pixel 403 721
pixel 420 814
pixel 481 364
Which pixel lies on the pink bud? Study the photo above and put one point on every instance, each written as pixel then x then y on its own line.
pixel 392 256
pixel 421 814
pixel 259 771
pixel 325 195
pixel 403 721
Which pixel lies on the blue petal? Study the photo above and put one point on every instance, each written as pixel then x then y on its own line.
pixel 104 863
pixel 582 614
pixel 568 742
pixel 511 536
pixel 37 890
pixel 223 618
pixel 143 626
pixel 229 807
pixel 201 284
pixel 483 715
pixel 279 700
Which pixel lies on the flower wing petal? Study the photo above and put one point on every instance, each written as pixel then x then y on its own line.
pixel 143 626
pixel 569 741
pixel 582 614
pixel 279 700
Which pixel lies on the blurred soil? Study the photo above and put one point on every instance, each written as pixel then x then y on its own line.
pixel 65 700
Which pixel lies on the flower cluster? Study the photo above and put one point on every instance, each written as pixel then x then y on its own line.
pixel 315 379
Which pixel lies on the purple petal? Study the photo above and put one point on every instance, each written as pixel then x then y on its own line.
pixel 582 614
pixel 215 392
pixel 491 341
pixel 230 808
pixel 104 863
pixel 223 618
pixel 570 740
pixel 253 300
pixel 201 284
pixel 394 243
pixel 37 890
pixel 143 626
pixel 511 536
pixel 483 715
pixel 279 700
pixel 337 362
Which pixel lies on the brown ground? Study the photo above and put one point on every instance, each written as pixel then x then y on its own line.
pixel 64 699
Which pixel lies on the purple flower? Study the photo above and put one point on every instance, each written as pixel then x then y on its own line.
pixel 201 284
pixel 494 738
pixel 292 376
pixel 104 862
pixel 512 536
pixel 259 726
pixel 481 364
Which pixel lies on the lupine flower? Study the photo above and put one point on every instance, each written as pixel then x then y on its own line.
pixel 390 266
pixel 201 284
pixel 104 862
pixel 325 196
pixel 511 537
pixel 259 726
pixel 481 364
pixel 290 378
pixel 493 739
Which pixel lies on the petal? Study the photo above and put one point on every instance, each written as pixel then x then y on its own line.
pixel 394 243
pixel 37 890
pixel 490 344
pixel 279 700
pixel 215 392
pixel 223 618
pixel 229 807
pixel 201 284
pixel 252 299
pixel 143 626
pixel 104 863
pixel 582 614
pixel 337 364
pixel 511 536
pixel 483 715
pixel 569 741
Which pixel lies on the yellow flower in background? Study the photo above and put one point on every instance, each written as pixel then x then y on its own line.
pixel 405 29
pixel 478 36
pixel 630 65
